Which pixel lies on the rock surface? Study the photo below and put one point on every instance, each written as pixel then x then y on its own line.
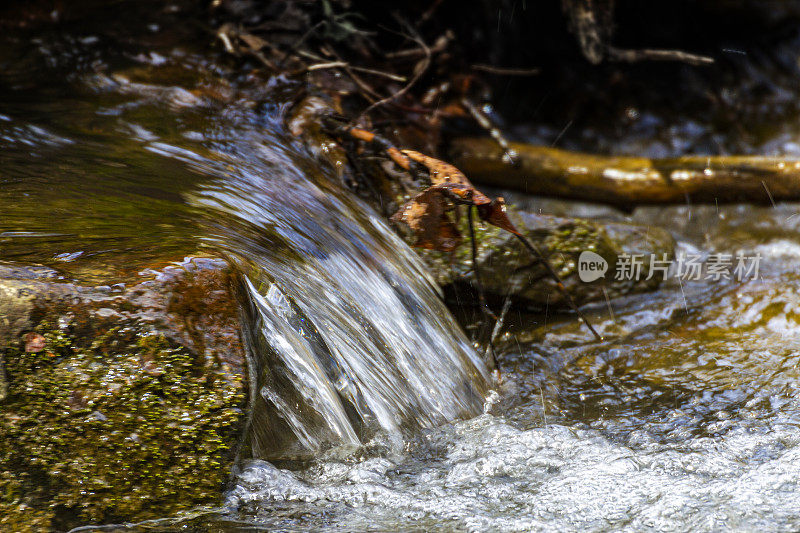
pixel 508 269
pixel 118 403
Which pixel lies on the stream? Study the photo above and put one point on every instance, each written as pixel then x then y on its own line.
pixel 123 148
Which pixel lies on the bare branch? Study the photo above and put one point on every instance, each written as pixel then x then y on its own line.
pixel 505 71
pixel 419 70
pixel 633 56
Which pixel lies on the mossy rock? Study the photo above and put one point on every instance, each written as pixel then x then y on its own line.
pixel 108 415
pixel 507 268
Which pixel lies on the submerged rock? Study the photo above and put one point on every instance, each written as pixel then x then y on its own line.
pixel 506 268
pixel 118 403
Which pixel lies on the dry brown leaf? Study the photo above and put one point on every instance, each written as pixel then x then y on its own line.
pixel 444 174
pixel 495 214
pixel 426 215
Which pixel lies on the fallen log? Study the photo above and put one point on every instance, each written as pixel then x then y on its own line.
pixel 629 181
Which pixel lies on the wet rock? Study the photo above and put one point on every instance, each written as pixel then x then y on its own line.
pixel 118 405
pixel 3 378
pixel 508 269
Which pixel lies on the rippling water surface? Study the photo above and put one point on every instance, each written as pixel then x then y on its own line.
pixel 686 418
pixel 117 156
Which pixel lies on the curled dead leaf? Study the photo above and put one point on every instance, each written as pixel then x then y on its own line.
pixel 495 214
pixel 446 174
pixel 426 215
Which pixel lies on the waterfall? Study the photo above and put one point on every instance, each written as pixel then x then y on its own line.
pixel 347 334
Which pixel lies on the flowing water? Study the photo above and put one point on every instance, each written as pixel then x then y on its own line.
pixel 348 335
pixel 119 155
pixel 348 332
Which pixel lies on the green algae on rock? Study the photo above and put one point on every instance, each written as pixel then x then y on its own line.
pixel 121 415
pixel 507 269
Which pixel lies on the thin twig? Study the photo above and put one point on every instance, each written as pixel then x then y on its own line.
pixel 389 75
pixel 419 70
pixel 478 284
pixel 308 55
pixel 559 284
pixel 632 56
pixel 261 57
pixel 509 154
pixel 501 319
pixel 345 65
pixel 368 93
pixel 439 45
pixel 331 64
pixel 506 71
pixel 292 49
pixel 226 42
pixel 498 326
pixel 608 302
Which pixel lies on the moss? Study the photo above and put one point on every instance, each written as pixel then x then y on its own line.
pixel 507 268
pixel 124 428
pixel 563 243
